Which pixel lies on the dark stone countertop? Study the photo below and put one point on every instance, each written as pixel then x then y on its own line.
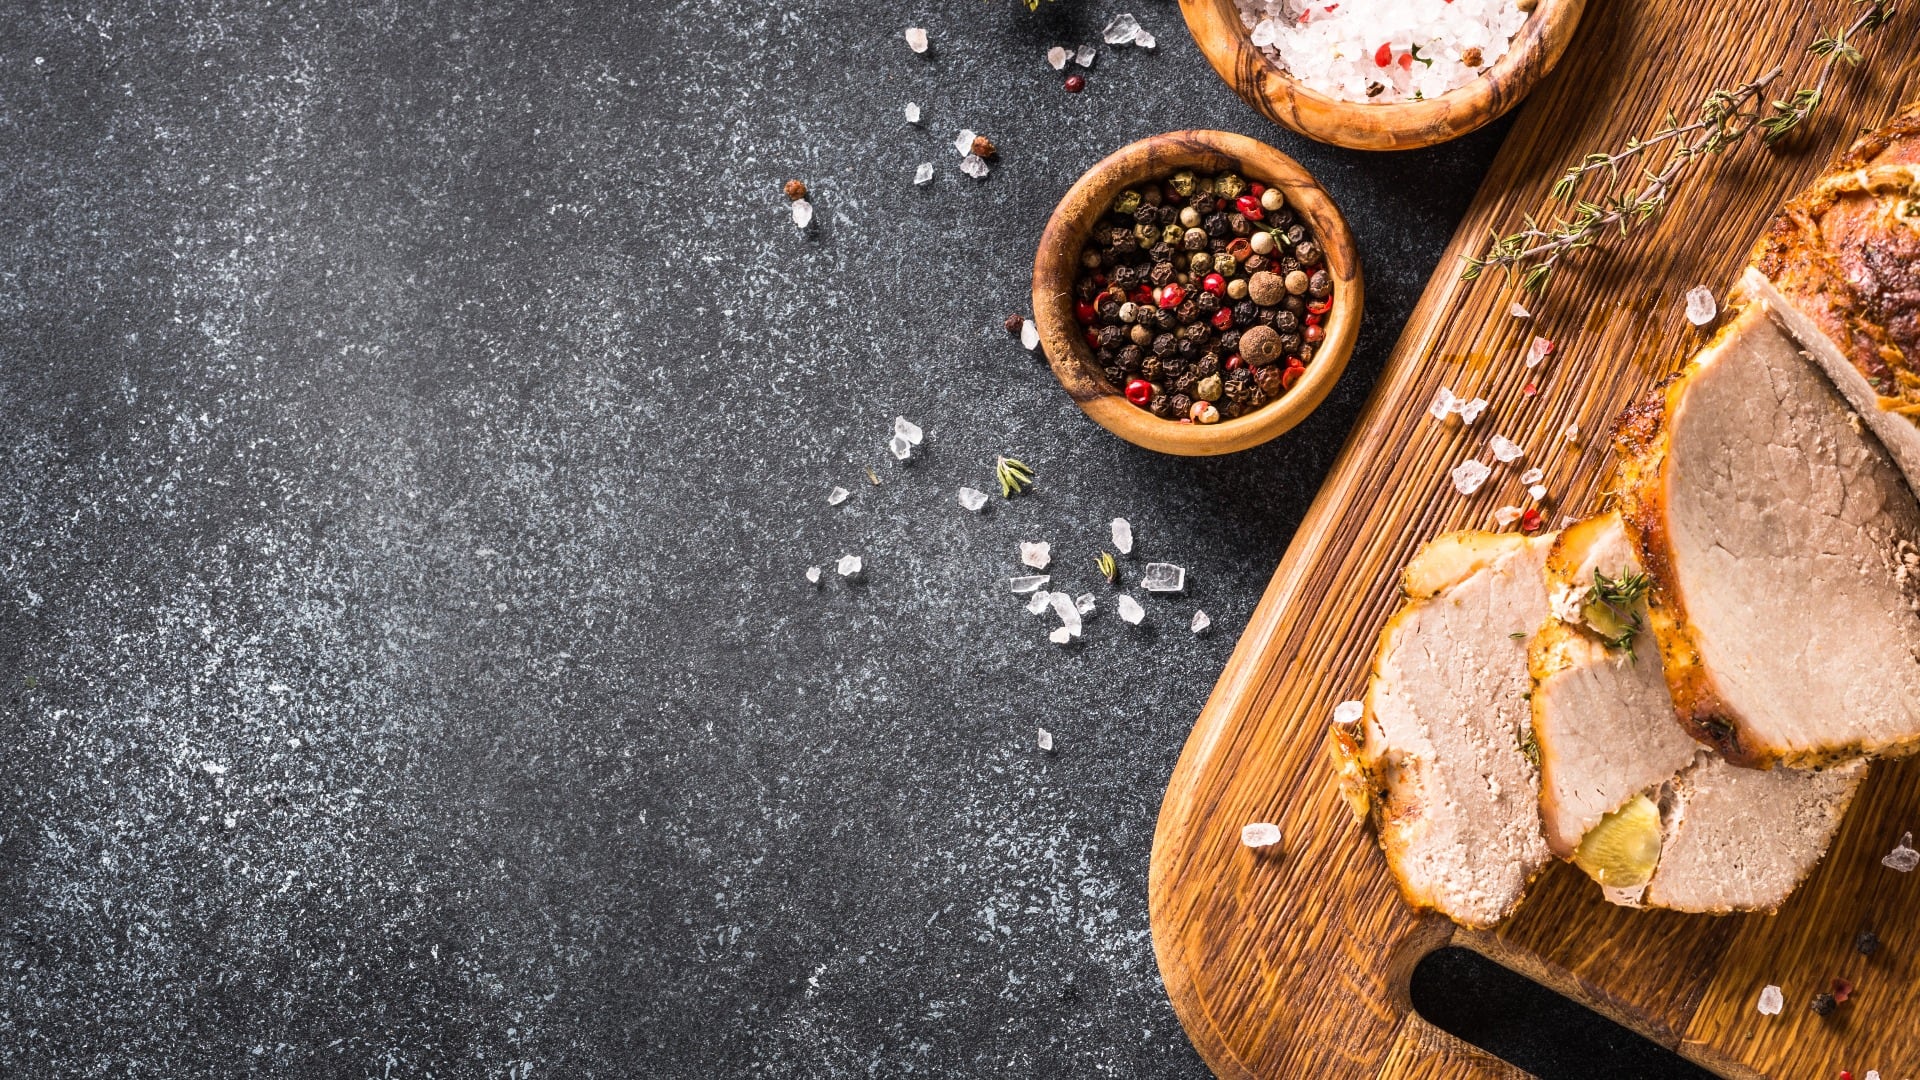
pixel 418 420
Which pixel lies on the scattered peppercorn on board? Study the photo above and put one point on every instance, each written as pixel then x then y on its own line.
pixel 1293 960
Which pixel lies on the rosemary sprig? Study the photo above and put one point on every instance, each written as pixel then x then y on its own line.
pixel 1014 476
pixel 1109 569
pixel 1723 119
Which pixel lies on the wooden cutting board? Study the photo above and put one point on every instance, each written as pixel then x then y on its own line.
pixel 1296 964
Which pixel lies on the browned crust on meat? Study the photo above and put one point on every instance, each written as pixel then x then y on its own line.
pixel 1640 441
pixel 1846 252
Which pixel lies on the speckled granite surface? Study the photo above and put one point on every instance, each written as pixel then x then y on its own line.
pixel 417 421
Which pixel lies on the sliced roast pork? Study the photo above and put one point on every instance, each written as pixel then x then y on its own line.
pixel 1436 757
pixel 1624 792
pixel 1780 543
pixel 1840 267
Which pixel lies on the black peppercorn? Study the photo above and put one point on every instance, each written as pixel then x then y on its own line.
pixel 1150 369
pixel 1164 344
pixel 1162 252
pixel 1165 319
pixel 1207 302
pixel 1188 311
pixel 1217 227
pixel 1179 403
pixel 1823 1004
pixel 1295 234
pixel 1286 321
pixel 1189 349
pixel 1194 332
pixel 1229 340
pixel 1116 377
pixel 1287 264
pixel 1208 364
pixel 1240 225
pixel 1146 215
pixel 1260 397
pixel 1112 337
pixel 1119 236
pixel 1121 275
pixel 1289 344
pixel 1321 284
pixel 1084 290
pixel 1268 380
pixel 1110 309
pixel 1163 406
pixel 1130 357
pixel 1244 314
pixel 1256 263
pixel 1168 215
pixel 1184 383
pixel 1105 354
pixel 1866 943
pixel 1307 252
pixel 1295 304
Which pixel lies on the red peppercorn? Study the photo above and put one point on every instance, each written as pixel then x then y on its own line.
pixel 1530 390
pixel 1845 1075
pixel 1249 208
pixel 1295 369
pixel 1076 83
pixel 1084 312
pixel 1240 249
pixel 1100 279
pixel 1173 295
pixel 1141 294
pixel 1214 284
pixel 1406 62
pixel 1383 55
pixel 1234 363
pixel 1140 392
pixel 1314 334
pixel 1530 521
pixel 1312 319
pixel 1842 989
pixel 1222 318
pixel 1257 189
pixel 1320 307
pixel 1093 339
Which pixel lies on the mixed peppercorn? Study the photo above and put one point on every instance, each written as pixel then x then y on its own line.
pixel 1202 297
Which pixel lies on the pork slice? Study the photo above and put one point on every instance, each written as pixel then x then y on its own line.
pixel 1780 541
pixel 1743 839
pixel 1602 718
pixel 1453 796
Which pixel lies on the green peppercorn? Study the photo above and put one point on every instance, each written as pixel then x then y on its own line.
pixel 1146 235
pixel 1182 183
pixel 1208 389
pixel 1126 203
pixel 1171 234
pixel 1229 186
pixel 1199 262
pixel 1225 265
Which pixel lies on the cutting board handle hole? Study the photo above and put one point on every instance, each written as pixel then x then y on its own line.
pixel 1527 1025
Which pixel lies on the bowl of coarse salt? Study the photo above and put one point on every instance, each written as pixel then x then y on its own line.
pixel 1382 74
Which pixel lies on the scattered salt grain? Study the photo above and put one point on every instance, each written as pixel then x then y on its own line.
pixel 1036 553
pixel 1085 602
pixel 975 166
pixel 973 499
pixel 1060 636
pixel 913 113
pixel 1164 577
pixel 1902 858
pixel 837 496
pixel 1872 1074
pixel 916 39
pixel 1144 40
pixel 1537 492
pixel 1130 610
pixel 1069 613
pixel 1056 58
pixel 906 429
pixel 1260 834
pixel 1044 740
pixel 1122 536
pixel 1505 450
pixel 1506 516
pixel 1700 305
pixel 1122 30
pixel 1571 433
pixel 1023 585
pixel 1771 1001
pixel 802 213
pixel 213 768
pixel 1200 621
pixel 1084 56
pixel 1039 602
pixel 1538 351
pixel 924 173
pixel 1444 404
pixel 1471 411
pixel 1029 335
pixel 1468 476
pixel 963 142
pixel 1348 713
pixel 849 565
pixel 1533 476
pixel 1519 311
pixel 901 448
pixel 813 574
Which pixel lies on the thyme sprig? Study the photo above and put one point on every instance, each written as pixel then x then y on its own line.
pixel 1014 476
pixel 1621 596
pixel 1723 119
pixel 1109 569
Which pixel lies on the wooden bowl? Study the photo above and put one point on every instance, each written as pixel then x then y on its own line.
pixel 1265 85
pixel 1056 265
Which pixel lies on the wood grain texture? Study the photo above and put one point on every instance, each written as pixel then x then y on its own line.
pixel 1296 964
pixel 1056 267
pixel 1265 85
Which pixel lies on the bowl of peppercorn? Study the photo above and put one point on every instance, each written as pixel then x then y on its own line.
pixel 1197 293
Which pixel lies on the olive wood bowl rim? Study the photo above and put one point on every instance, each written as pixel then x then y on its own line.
pixel 1269 88
pixel 1056 266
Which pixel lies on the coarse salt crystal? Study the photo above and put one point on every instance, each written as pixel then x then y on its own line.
pixel 963 142
pixel 1122 535
pixel 1036 553
pixel 1700 305
pixel 913 113
pixel 813 574
pixel 1060 636
pixel 1040 602
pixel 1130 610
pixel 1471 411
pixel 1519 311
pixel 1337 51
pixel 924 173
pixel 1029 335
pixel 1533 475
pixel 1068 611
pixel 849 565
pixel 1468 476
pixel 1347 713
pixel 1538 351
pixel 1771 1001
pixel 1505 450
pixel 1121 30
pixel 916 39
pixel 1086 602
pixel 1260 834
pixel 1444 404
pixel 1537 492
pixel 837 496
pixel 1902 858
pixel 1022 585
pixel 1200 621
pixel 802 213
pixel 1084 56
pixel 1571 433
pixel 1164 577
pixel 1143 40
pixel 907 429
pixel 900 447
pixel 973 498
pixel 975 166
pixel 1043 739
pixel 1506 516
pixel 1056 58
